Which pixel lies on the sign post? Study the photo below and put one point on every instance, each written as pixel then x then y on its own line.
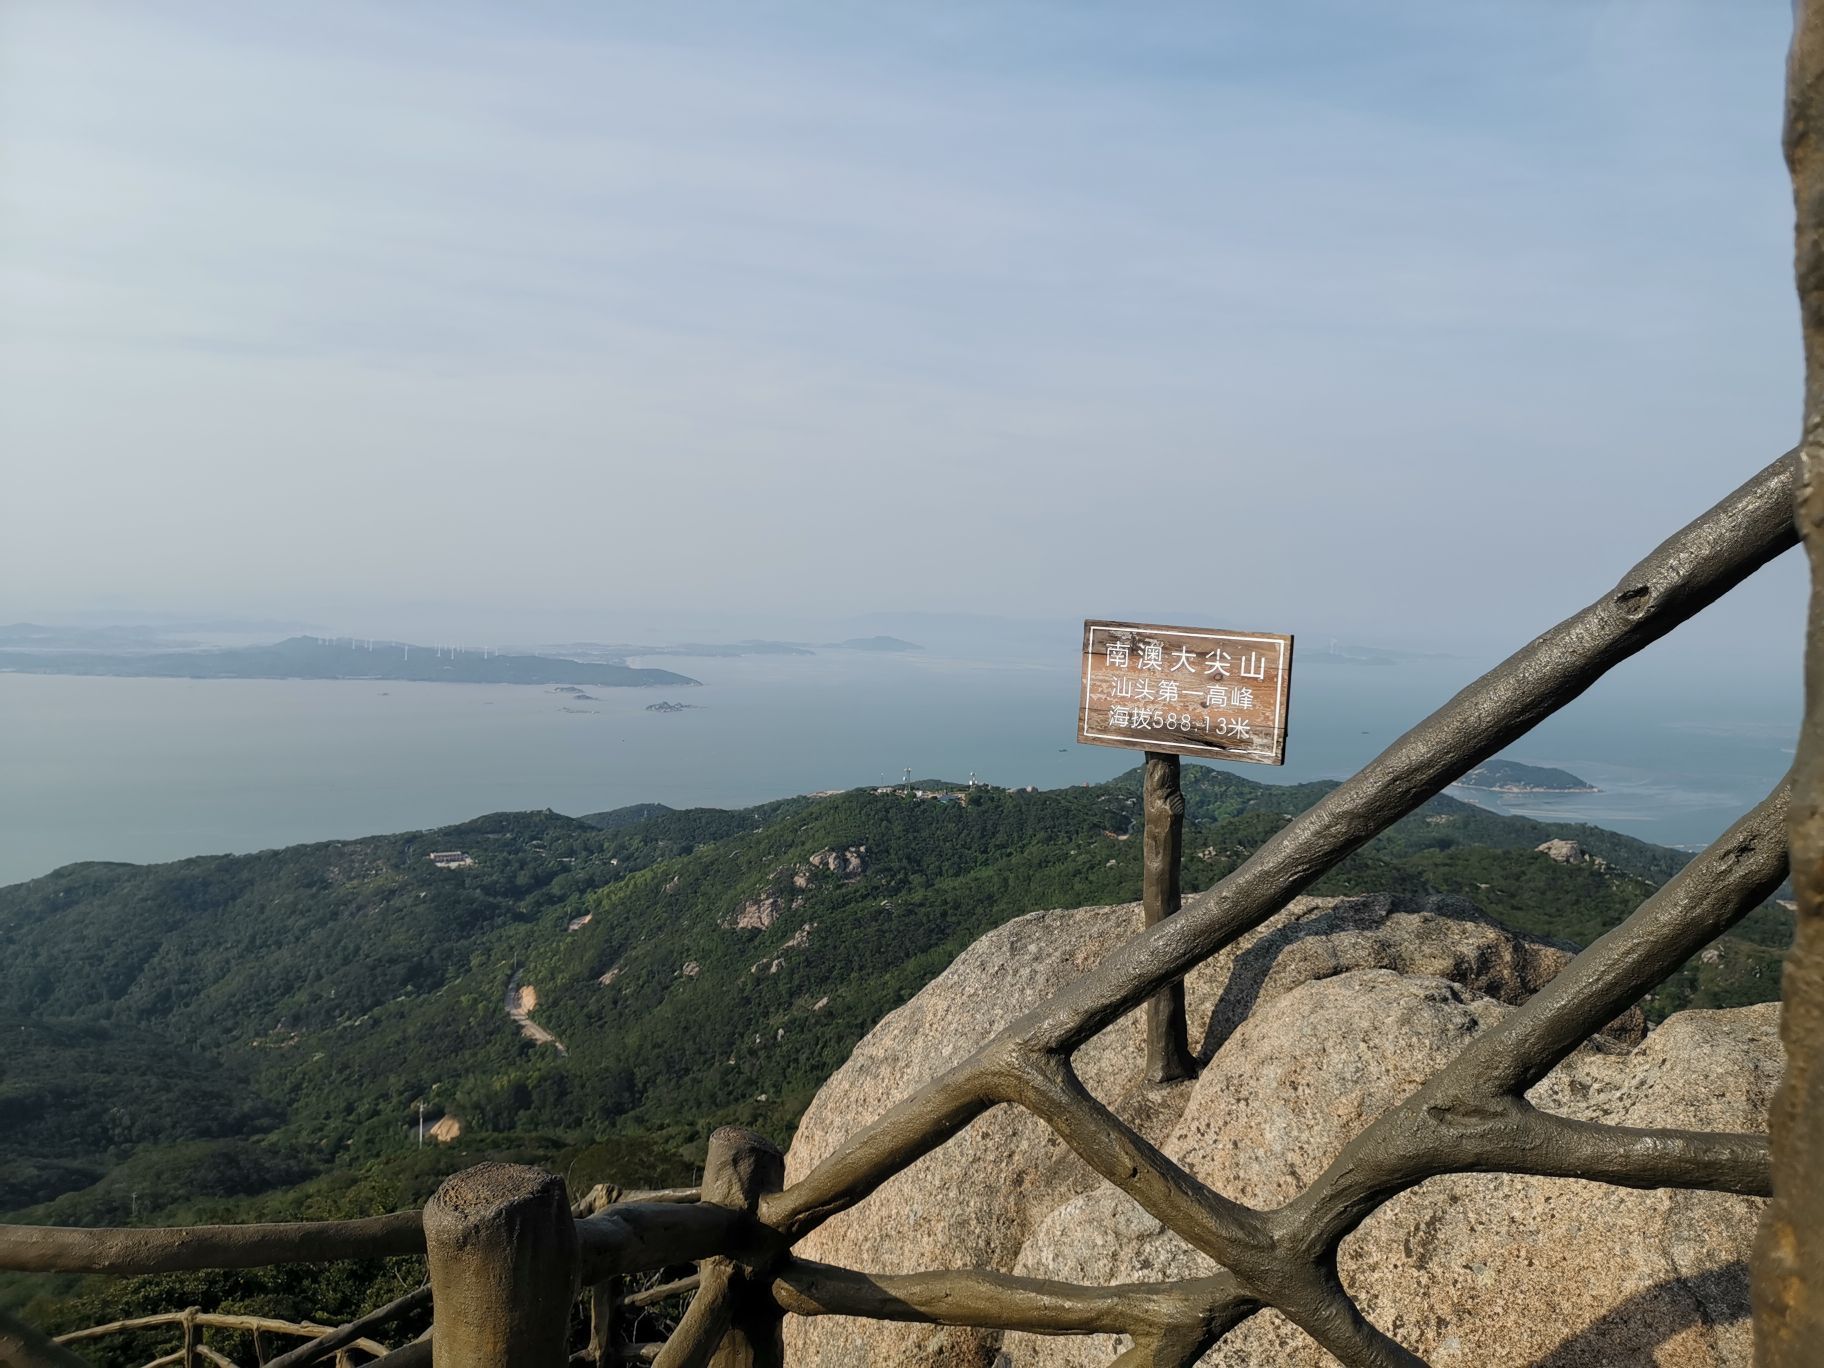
pixel 1168 1046
pixel 1172 691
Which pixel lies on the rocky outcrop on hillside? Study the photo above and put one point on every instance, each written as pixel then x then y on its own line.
pixel 1354 1001
pixel 758 914
pixel 1569 852
pixel 786 884
pixel 847 865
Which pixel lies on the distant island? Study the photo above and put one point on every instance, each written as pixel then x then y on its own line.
pixel 1510 776
pixel 671 707
pixel 305 657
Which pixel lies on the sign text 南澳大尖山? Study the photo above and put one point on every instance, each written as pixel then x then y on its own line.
pixel 1186 690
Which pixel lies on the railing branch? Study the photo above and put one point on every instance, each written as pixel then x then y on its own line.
pixel 898 1138
pixel 699 1334
pixel 646 1296
pixel 417 1354
pixel 1003 1301
pixel 1736 874
pixel 351 1333
pixel 219 1320
pixel 1317 1303
pixel 636 1237
pixel 1641 1157
pixel 1168 1349
pixel 133 1250
pixel 604 1195
pixel 1227 1231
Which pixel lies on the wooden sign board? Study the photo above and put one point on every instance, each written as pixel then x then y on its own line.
pixel 1186 691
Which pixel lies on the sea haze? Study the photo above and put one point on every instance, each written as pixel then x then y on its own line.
pixel 158 769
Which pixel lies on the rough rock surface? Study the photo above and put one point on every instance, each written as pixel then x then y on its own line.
pixel 1483 1269
pixel 847 865
pixel 974 1201
pixel 788 882
pixel 1569 852
pixel 758 914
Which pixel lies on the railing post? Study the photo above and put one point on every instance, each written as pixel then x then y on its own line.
pixel 1168 1050
pixel 502 1249
pixel 601 1320
pixel 1789 1255
pixel 742 1167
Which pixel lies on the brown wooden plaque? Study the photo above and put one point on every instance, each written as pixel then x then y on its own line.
pixel 1186 691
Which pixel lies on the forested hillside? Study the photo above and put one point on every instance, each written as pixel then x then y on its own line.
pixel 244 1035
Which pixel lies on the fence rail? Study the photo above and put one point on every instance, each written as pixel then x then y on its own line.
pixel 322 1341
pixel 508 1255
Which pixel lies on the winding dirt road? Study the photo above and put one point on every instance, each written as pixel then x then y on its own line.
pixel 521 1003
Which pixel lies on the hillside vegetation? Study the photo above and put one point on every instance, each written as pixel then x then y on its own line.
pixel 242 1036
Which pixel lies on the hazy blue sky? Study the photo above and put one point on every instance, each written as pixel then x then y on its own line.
pixel 1411 320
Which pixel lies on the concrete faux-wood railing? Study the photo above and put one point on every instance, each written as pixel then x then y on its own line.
pixel 20 1345
pixel 324 1340
pixel 508 1255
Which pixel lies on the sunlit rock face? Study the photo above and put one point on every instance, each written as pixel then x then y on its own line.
pixel 1316 1022
pixel 1466 1269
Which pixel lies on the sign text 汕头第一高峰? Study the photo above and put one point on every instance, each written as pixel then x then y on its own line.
pixel 1186 690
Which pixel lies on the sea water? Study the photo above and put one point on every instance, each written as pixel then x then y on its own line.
pixel 158 769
